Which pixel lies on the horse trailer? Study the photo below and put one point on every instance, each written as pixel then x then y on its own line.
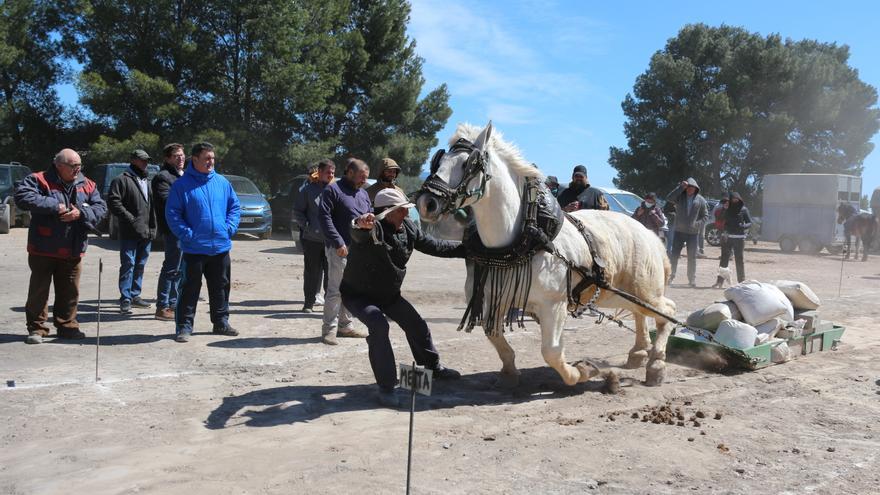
pixel 800 210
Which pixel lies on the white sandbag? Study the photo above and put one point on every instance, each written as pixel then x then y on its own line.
pixel 800 295
pixel 709 317
pixel 759 302
pixel 735 314
pixel 736 334
pixel 770 327
pixel 780 352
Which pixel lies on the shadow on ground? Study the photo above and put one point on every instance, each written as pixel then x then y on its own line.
pixel 263 342
pixel 299 403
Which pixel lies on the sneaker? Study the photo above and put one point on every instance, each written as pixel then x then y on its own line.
pixel 388 398
pixel 351 333
pixel 441 372
pixel 137 302
pixel 319 300
pixel 307 309
pixel 225 330
pixel 125 307
pixel 692 285
pixel 70 333
pixel 183 336
pixel 165 314
pixel 34 338
pixel 329 338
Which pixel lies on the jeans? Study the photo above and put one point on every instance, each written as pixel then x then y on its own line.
pixel 737 246
pixel 217 270
pixel 335 314
pixel 169 275
pixel 314 270
pixel 702 238
pixel 133 255
pixel 670 239
pixel 45 271
pixel 681 239
pixel 381 354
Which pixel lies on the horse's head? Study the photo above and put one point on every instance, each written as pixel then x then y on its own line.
pixel 844 211
pixel 458 177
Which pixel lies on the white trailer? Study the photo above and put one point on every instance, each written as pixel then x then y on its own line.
pixel 800 210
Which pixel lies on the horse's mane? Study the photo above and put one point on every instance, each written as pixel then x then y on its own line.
pixel 508 152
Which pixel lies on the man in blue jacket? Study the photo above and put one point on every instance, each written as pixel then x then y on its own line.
pixel 341 202
pixel 203 213
pixel 305 213
pixel 64 207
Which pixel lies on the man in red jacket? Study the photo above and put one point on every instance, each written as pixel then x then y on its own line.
pixel 65 206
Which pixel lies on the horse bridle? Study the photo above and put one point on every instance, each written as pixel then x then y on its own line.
pixel 473 166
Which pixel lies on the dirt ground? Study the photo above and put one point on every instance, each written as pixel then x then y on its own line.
pixel 276 411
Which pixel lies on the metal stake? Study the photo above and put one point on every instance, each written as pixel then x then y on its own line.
pixel 98 334
pixel 412 413
pixel 843 254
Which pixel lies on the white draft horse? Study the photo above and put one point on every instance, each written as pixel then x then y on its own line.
pixel 635 260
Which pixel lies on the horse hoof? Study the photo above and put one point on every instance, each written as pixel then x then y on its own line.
pixel 507 381
pixel 655 374
pixel 587 370
pixel 612 383
pixel 636 360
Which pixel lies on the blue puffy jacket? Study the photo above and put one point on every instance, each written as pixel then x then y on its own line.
pixel 203 212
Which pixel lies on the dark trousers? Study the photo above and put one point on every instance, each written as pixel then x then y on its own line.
pixel 373 315
pixel 133 256
pixel 217 272
pixel 736 246
pixel 169 275
pixel 314 268
pixel 65 275
pixel 680 240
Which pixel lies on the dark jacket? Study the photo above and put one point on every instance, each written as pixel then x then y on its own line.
pixel 305 210
pixel 736 218
pixel 40 193
pixel 376 266
pixel 590 198
pixel 203 212
pixel 161 187
pixel 137 219
pixel 373 190
pixel 652 218
pixel 341 203
pixel 687 220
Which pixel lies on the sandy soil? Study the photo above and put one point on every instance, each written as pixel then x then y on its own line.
pixel 276 411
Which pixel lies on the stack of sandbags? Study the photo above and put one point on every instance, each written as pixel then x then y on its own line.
pixel 805 303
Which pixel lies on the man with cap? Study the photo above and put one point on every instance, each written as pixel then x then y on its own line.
pixel 388 172
pixel 130 200
pixel 690 211
pixel 552 183
pixel 381 245
pixel 579 195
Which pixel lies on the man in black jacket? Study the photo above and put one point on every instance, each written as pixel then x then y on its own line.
pixel 381 245
pixel 169 275
pixel 579 195
pixel 130 200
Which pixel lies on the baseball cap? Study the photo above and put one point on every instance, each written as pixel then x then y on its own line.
pixel 390 198
pixel 580 169
pixel 139 155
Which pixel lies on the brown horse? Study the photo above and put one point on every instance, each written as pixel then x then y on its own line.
pixel 861 225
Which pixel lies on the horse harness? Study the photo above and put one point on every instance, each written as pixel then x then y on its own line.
pixel 456 196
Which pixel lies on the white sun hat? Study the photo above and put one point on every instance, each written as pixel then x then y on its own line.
pixel 390 198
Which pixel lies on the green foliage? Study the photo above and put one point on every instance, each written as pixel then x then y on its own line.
pixel 111 150
pixel 727 107
pixel 409 183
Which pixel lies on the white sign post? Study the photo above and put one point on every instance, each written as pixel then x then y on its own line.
pixel 416 379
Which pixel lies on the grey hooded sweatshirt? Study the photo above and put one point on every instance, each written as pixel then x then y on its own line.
pixel 687 220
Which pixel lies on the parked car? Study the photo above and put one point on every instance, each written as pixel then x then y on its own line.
pixel 10 174
pixel 282 204
pixel 256 213
pixel 103 176
pixel 621 201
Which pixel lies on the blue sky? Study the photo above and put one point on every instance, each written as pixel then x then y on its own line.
pixel 551 75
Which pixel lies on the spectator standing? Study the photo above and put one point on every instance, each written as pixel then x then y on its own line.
pixel 381 246
pixel 388 172
pixel 305 214
pixel 203 213
pixel 690 210
pixel 737 222
pixel 579 195
pixel 669 211
pixel 649 214
pixel 64 207
pixel 169 275
pixel 130 200
pixel 341 202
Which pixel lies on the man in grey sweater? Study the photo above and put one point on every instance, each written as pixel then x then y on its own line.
pixel 691 211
